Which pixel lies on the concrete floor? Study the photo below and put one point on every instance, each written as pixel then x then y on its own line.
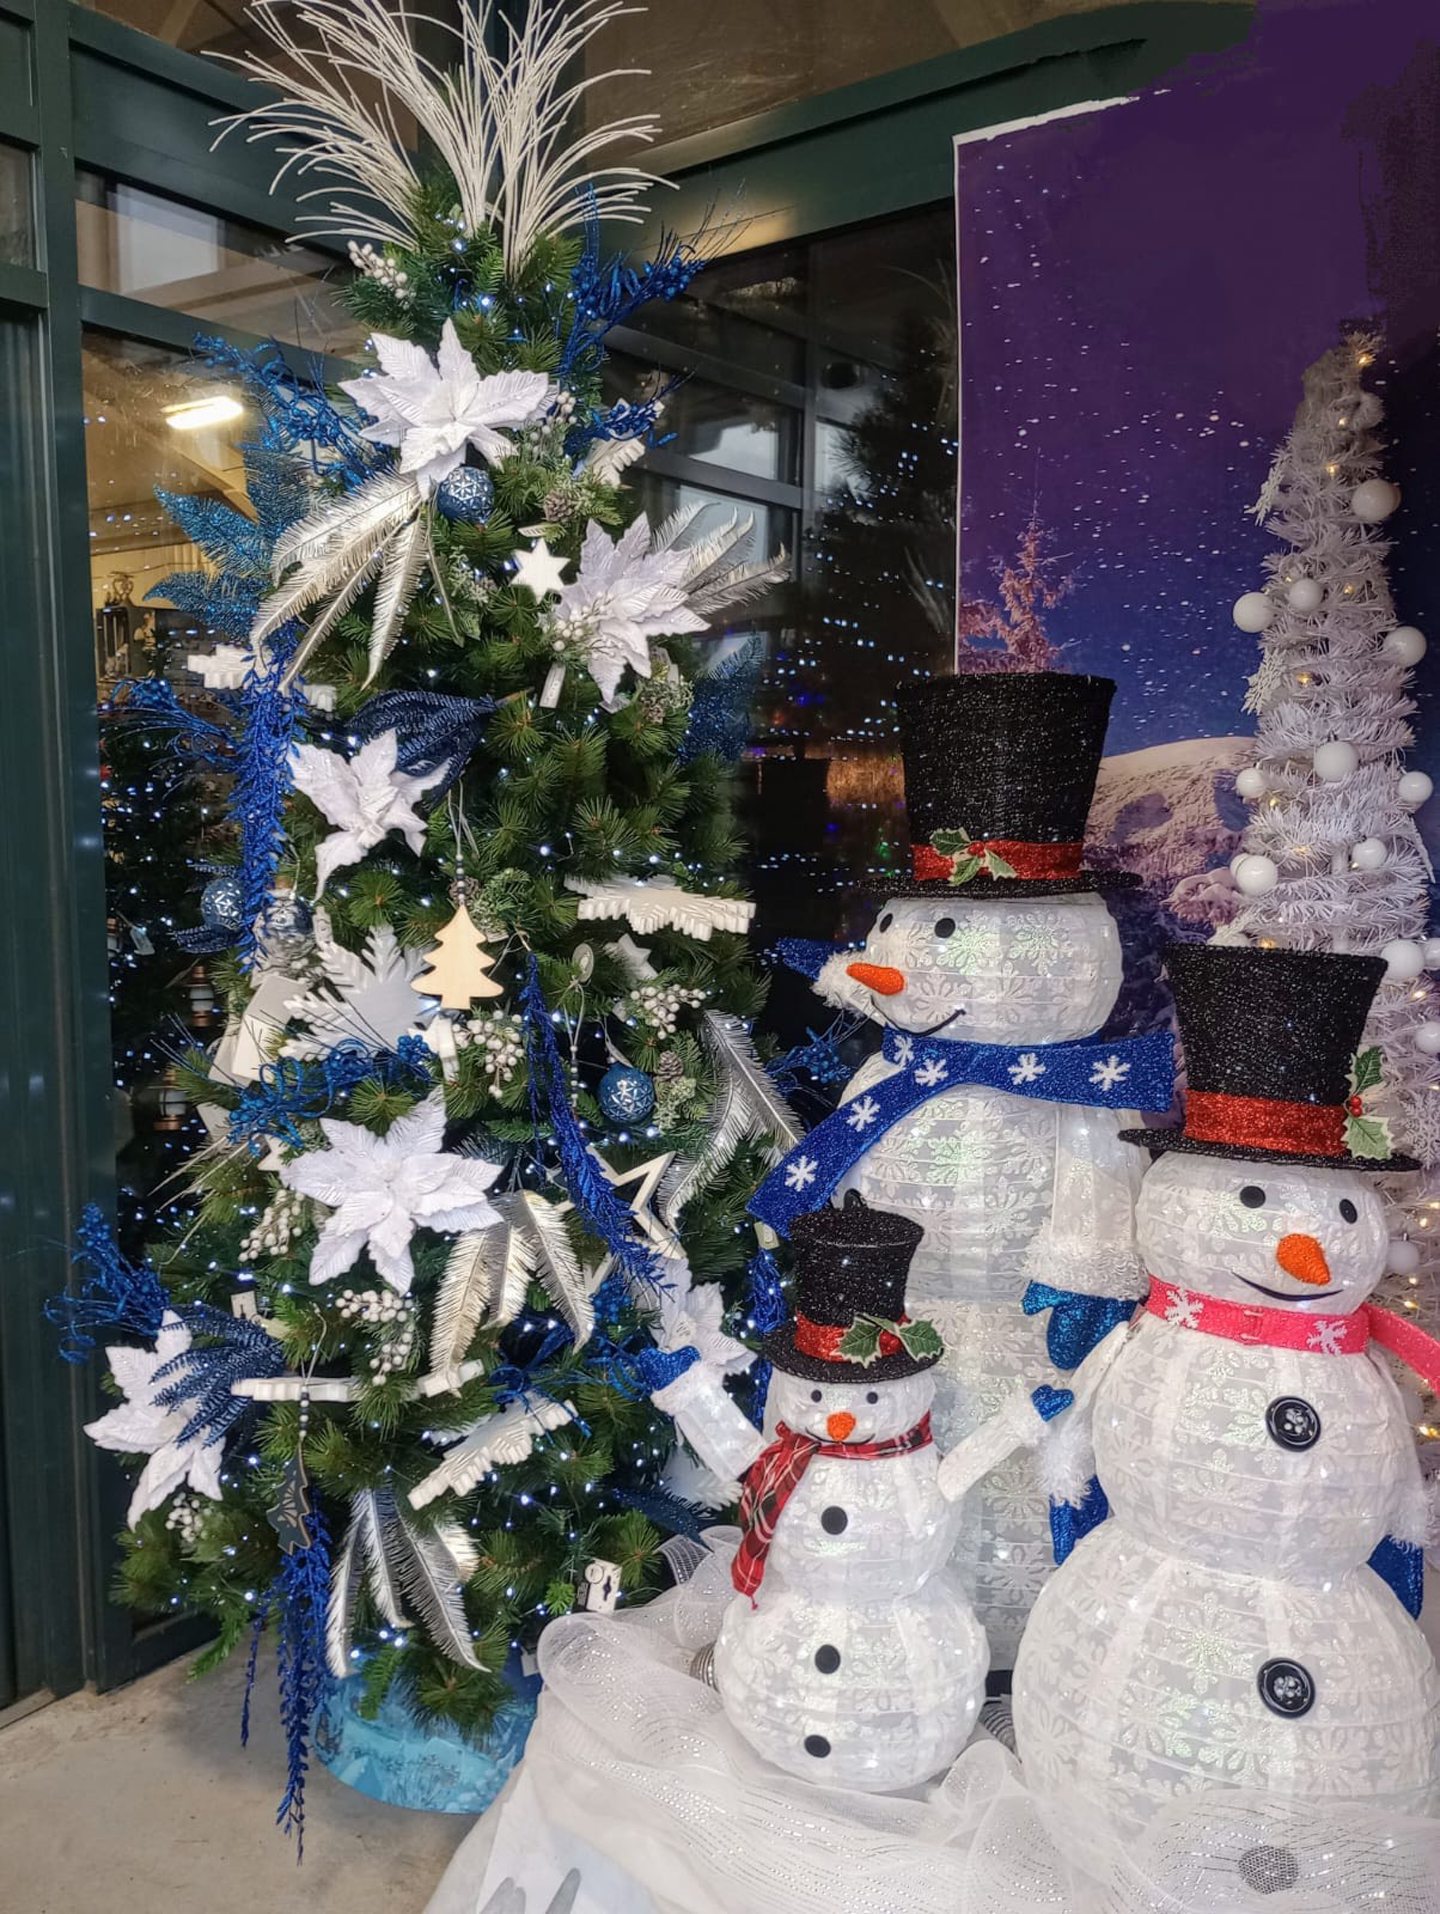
pixel 144 1802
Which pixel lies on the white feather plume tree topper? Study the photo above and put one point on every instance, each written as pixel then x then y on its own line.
pixel 500 110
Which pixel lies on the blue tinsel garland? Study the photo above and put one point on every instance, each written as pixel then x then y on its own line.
pixel 289 1091
pixel 301 1595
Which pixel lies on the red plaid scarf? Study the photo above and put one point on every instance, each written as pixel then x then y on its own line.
pixel 774 1476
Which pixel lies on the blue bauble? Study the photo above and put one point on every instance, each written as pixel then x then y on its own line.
pixel 626 1094
pixel 467 494
pixel 222 904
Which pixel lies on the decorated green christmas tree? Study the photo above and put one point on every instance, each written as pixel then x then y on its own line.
pixel 485 1112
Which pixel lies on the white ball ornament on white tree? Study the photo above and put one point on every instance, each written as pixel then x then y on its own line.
pixel 1430 952
pixel 1251 783
pixel 1426 1037
pixel 1402 1258
pixel 1255 874
pixel 1253 611
pixel 1414 788
pixel 1373 500
pixel 1335 761
pixel 1404 960
pixel 1405 645
pixel 1306 595
pixel 1368 855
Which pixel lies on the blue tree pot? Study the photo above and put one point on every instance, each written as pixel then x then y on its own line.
pixel 417 1764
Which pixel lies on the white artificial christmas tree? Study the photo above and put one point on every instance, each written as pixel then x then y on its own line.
pixel 1332 858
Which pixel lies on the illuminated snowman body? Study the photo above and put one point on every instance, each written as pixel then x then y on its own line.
pixel 1223 1627
pixel 1007 1188
pixel 859 1663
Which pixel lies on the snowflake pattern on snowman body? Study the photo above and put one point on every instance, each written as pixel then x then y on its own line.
pixel 991 1116
pixel 1225 1626
pixel 850 1655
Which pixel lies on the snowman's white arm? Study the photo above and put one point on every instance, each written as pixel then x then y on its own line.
pixel 1088 1246
pixel 717 1429
pixel 1020 1425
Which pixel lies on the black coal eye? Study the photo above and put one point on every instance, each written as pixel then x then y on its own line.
pixel 873 1396
pixel 815 1395
pixel 886 921
pixel 946 927
pixel 1348 1210
pixel 1252 1196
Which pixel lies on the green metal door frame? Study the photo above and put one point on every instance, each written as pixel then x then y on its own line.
pixel 80 90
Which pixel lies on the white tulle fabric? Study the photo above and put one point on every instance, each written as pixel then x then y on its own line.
pixel 635 1758
pixel 1229 1547
pixel 1008 1189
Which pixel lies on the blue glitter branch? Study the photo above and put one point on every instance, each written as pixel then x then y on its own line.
pixel 230 540
pixel 117 1294
pixel 606 291
pixel 668 1512
pixel 263 781
pixel 302 1591
pixel 296 413
pixel 720 704
pixel 288 1090
pixel 203 1376
pixel 589 1188
pixel 431 730
pixel 152 704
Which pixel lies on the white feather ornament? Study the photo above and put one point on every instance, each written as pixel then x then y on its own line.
pixel 407 1570
pixel 498 109
pixel 494 1442
pixel 747 1105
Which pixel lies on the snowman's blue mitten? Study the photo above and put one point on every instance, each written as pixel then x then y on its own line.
pixel 1049 1402
pixel 1402 1566
pixel 1070 1524
pixel 660 1367
pixel 1077 1322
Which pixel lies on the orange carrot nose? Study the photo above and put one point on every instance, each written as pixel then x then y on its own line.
pixel 877 977
pixel 1302 1258
pixel 838 1426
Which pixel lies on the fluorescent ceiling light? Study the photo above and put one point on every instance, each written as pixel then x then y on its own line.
pixel 195 414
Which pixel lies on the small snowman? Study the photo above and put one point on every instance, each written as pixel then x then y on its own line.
pixel 850 1655
pixel 1225 1626
pixel 991 1115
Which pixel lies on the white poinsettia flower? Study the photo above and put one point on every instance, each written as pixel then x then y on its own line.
pixel 625 594
pixel 381 1189
pixel 364 797
pixel 143 1426
pixel 433 409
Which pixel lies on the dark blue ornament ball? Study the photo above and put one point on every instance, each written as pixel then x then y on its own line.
pixel 222 904
pixel 468 494
pixel 626 1094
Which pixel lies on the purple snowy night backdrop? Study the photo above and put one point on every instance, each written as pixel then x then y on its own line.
pixel 1141 288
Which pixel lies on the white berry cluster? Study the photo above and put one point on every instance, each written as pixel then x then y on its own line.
pixel 657 1006
pixel 375 266
pixel 393 1315
pixel 277 1227
pixel 187 1517
pixel 501 1036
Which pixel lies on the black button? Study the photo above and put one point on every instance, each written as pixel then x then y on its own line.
pixel 834 1521
pixel 827 1658
pixel 1293 1423
pixel 817 1745
pixel 1286 1688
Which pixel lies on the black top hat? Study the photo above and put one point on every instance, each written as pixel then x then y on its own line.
pixel 850 1262
pixel 1269 1038
pixel 1000 768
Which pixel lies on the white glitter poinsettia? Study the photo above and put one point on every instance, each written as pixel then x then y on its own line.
pixel 365 797
pixel 433 409
pixel 143 1426
pixel 381 1189
pixel 641 587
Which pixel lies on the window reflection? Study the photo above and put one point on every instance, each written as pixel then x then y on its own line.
pixel 140 434
pixel 148 246
pixel 17 210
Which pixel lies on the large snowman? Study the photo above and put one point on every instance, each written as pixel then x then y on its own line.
pixel 850 1655
pixel 986 1117
pixel 1223 1626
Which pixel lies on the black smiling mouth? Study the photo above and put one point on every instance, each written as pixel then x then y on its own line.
pixel 1290 1295
pixel 905 1029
